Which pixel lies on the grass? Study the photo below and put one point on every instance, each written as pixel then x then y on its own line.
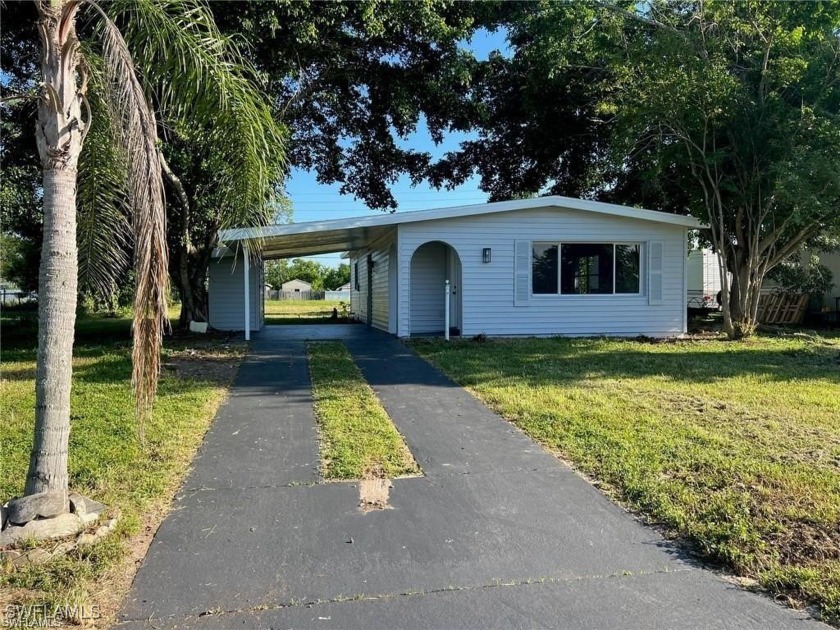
pixel 106 461
pixel 733 447
pixel 279 312
pixel 358 438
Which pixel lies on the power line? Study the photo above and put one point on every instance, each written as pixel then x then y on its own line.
pixel 410 193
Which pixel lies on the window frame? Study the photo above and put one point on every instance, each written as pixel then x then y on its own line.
pixel 559 294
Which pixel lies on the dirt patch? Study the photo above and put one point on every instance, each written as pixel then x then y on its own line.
pixel 374 490
pixel 373 494
pixel 805 543
pixel 214 364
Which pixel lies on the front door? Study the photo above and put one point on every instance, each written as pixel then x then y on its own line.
pixel 453 274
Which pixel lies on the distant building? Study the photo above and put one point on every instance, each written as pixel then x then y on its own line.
pixel 296 286
pixel 345 287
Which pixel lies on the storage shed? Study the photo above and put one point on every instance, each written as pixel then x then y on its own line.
pixel 227 301
pixel 544 266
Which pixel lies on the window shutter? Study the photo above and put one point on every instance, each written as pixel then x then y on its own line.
pixel 522 274
pixel 655 256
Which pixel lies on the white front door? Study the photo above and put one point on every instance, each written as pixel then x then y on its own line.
pixel 453 274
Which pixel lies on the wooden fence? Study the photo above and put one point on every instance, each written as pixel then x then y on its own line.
pixel 782 308
pixel 294 295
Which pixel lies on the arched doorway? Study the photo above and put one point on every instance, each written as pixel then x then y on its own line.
pixel 432 264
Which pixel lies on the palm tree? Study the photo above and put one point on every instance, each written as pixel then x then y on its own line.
pixel 223 149
pixel 60 136
pixel 93 91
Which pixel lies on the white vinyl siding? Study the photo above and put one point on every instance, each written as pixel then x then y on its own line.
pixel 488 289
pixel 379 254
pixel 226 299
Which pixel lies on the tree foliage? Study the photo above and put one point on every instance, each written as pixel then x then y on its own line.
pixel 726 111
pixel 223 149
pixel 538 117
pixel 351 79
pixel 739 105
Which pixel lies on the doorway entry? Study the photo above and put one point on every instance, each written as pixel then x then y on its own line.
pixel 432 264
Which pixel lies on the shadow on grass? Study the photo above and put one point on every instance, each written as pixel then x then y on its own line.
pixel 20 331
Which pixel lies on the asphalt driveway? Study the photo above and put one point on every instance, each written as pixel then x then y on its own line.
pixel 496 534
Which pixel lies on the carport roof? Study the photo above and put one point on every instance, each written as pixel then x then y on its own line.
pixel 338 235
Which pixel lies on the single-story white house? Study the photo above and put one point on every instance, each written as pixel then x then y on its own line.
pixel 544 266
pixel 296 286
pixel 345 287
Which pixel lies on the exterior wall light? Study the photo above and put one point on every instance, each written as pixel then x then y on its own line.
pixel 485 255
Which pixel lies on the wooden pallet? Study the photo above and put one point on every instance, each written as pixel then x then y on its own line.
pixel 782 308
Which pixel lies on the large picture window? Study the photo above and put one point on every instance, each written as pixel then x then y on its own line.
pixel 585 268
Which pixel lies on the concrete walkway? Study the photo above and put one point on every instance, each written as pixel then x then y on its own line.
pixel 497 534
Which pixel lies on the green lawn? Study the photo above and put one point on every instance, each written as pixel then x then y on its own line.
pixel 278 312
pixel 733 447
pixel 106 461
pixel 358 438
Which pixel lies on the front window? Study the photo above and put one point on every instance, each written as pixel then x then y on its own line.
pixel 585 268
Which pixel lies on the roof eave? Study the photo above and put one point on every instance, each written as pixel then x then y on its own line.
pixel 242 234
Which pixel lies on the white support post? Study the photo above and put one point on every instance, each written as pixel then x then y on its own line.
pixel 446 314
pixel 247 267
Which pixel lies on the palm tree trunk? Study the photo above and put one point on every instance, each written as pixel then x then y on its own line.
pixel 59 135
pixel 57 317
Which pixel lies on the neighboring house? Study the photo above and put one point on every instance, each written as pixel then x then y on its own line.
pixel 296 286
pixel 345 287
pixel 545 266
pixel 703 278
pixel 11 294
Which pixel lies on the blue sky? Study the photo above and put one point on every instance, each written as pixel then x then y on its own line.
pixel 312 201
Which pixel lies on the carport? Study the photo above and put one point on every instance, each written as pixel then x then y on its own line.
pixel 236 273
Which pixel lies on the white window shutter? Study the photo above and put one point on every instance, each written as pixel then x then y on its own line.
pixel 522 274
pixel 655 256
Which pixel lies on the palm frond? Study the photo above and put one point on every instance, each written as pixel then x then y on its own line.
pixel 104 229
pixel 138 137
pixel 205 85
